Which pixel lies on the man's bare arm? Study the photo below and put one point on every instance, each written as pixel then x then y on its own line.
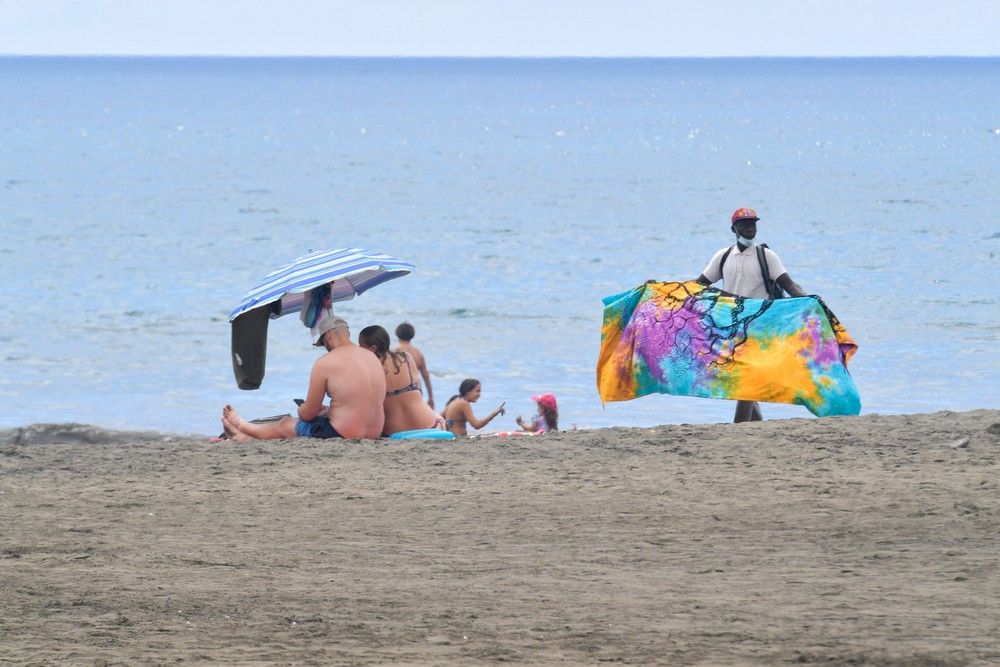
pixel 313 405
pixel 425 374
pixel 790 286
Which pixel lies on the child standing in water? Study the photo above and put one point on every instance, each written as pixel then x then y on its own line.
pixel 405 333
pixel 547 419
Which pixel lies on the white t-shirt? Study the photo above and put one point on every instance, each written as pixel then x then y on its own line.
pixel 741 272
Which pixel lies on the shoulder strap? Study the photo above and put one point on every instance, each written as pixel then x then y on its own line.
pixel 765 272
pixel 722 261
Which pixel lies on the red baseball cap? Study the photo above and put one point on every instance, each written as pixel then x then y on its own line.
pixel 548 400
pixel 744 214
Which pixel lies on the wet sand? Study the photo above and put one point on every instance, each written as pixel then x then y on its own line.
pixel 870 540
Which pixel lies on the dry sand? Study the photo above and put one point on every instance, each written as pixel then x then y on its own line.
pixel 871 540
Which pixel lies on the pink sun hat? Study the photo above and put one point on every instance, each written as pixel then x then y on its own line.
pixel 548 400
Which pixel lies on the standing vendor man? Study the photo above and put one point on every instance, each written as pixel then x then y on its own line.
pixel 740 270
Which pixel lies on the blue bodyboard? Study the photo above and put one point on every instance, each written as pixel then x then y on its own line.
pixel 423 434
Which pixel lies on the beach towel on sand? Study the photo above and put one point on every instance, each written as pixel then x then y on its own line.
pixel 691 340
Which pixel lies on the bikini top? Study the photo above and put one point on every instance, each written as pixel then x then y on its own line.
pixel 413 386
pixel 448 423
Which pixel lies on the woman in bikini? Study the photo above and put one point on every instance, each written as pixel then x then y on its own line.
pixel 457 412
pixel 405 409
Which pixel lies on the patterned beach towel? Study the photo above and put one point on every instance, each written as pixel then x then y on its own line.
pixel 691 340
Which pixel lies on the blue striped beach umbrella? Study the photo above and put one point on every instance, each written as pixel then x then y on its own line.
pixel 348 272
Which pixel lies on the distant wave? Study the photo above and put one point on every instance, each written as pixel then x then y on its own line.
pixel 474 313
pixel 251 209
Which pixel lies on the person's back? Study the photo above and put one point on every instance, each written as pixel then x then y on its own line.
pixel 413 351
pixel 405 333
pixel 454 415
pixel 353 379
pixel 405 409
pixel 356 385
pixel 403 405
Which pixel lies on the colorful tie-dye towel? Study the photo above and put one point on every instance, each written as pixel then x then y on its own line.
pixel 692 340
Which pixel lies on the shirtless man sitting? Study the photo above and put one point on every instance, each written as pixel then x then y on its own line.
pixel 353 379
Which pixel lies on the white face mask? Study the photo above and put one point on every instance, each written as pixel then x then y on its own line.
pixel 744 243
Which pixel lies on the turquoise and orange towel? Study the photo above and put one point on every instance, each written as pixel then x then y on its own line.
pixel 691 340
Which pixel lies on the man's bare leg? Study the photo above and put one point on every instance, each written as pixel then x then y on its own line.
pixel 284 428
pixel 747 411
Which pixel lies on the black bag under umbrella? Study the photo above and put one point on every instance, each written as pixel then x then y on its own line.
pixel 249 347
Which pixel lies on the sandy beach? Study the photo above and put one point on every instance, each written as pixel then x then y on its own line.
pixel 863 541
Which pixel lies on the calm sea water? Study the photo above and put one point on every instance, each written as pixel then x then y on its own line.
pixel 141 198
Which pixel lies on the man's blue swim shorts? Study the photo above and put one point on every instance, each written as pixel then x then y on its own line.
pixel 317 428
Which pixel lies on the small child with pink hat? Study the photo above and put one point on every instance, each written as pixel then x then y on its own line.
pixel 546 420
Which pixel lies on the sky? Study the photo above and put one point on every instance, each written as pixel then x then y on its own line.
pixel 513 28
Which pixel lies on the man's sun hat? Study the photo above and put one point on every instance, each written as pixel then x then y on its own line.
pixel 548 400
pixel 744 214
pixel 328 323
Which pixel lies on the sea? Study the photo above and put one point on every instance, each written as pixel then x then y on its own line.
pixel 141 198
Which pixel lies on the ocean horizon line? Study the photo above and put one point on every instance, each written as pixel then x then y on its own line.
pixel 198 56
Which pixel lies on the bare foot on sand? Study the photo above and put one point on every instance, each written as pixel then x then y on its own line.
pixel 228 432
pixel 231 421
